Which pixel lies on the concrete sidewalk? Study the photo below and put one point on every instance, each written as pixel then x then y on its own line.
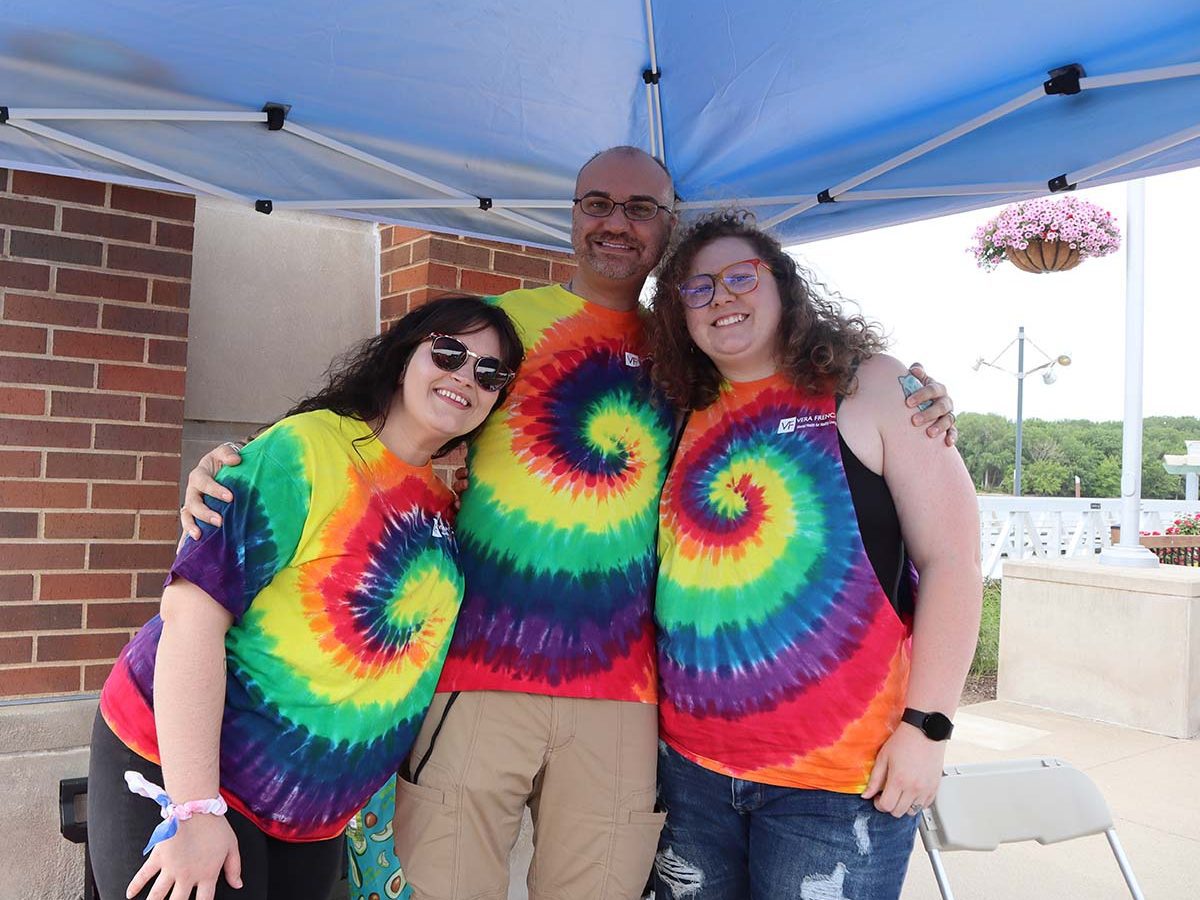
pixel 1152 784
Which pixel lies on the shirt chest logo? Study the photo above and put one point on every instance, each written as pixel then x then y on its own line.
pixel 632 360
pixel 440 528
pixel 792 424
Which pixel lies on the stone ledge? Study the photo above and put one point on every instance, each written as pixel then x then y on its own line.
pixel 1176 581
pixel 40 726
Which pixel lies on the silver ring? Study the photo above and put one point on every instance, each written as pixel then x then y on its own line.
pixel 915 808
pixel 236 447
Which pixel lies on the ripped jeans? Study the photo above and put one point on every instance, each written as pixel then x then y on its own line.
pixel 728 839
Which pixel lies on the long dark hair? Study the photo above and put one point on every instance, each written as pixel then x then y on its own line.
pixel 362 381
pixel 819 347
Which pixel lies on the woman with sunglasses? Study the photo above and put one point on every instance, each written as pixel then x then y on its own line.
pixel 298 646
pixel 806 692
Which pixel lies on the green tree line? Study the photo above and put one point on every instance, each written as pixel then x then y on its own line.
pixel 1053 453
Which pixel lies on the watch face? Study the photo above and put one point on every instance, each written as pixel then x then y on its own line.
pixel 937 726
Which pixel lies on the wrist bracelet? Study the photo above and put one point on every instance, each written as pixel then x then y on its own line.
pixel 172 813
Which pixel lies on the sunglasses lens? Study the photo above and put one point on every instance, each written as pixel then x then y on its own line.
pixel 448 353
pixel 697 292
pixel 491 374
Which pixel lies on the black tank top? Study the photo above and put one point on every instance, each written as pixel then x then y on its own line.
pixel 879 526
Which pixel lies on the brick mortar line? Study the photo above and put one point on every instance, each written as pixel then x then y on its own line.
pixel 133 541
pixel 107 208
pixel 33 385
pixel 102 266
pixel 61 205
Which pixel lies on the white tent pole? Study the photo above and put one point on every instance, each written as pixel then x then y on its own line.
pixel 920 150
pixel 1130 552
pixel 419 203
pixel 379 163
pixel 650 119
pixel 126 160
pixel 954 190
pixel 135 115
pixel 1165 143
pixel 1139 76
pixel 657 137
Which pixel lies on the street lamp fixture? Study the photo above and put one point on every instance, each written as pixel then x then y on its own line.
pixel 1048 376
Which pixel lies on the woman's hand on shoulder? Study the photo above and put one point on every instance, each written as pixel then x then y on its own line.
pixel 202 848
pixel 938 417
pixel 201 482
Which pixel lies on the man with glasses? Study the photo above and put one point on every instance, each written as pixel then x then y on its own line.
pixel 548 696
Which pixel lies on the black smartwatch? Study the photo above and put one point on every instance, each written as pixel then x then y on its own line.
pixel 934 725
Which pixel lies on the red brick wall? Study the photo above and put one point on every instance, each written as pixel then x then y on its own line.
pixel 94 287
pixel 416 266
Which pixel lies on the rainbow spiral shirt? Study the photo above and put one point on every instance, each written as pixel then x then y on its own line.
pixel 557 529
pixel 336 560
pixel 781 658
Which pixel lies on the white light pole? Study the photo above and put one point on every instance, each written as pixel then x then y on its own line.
pixel 1048 376
pixel 1130 552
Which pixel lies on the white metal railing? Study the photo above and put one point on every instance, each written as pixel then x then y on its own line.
pixel 1053 527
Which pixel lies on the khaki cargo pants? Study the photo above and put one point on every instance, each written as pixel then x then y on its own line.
pixel 585 768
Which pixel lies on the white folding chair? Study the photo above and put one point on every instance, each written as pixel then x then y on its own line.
pixel 983 805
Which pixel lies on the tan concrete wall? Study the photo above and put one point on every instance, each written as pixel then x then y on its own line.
pixel 40 743
pixel 274 299
pixel 1117 645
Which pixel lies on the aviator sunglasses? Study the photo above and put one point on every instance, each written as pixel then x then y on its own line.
pixel 739 278
pixel 450 354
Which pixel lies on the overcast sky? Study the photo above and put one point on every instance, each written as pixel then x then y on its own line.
pixel 919 282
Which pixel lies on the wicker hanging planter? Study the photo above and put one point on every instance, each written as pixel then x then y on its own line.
pixel 1047 234
pixel 1044 256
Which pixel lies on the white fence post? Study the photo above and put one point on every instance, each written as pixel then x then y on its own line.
pixel 1054 527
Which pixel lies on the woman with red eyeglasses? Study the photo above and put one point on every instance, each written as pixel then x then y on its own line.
pixel 298 646
pixel 806 691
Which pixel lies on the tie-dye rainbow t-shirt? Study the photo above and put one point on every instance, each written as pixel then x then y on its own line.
pixel 557 529
pixel 338 564
pixel 782 660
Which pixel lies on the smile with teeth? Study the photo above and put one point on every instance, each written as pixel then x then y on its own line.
pixel 731 319
pixel 451 396
pixel 615 245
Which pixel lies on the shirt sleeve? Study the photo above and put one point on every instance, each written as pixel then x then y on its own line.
pixel 261 526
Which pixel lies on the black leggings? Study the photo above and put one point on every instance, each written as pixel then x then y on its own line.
pixel 120 822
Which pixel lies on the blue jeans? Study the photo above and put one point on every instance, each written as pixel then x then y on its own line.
pixel 728 839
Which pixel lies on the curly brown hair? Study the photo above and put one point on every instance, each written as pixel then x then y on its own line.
pixel 819 346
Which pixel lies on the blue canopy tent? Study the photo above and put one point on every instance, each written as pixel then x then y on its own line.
pixel 826 116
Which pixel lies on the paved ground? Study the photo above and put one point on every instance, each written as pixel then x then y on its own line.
pixel 1152 784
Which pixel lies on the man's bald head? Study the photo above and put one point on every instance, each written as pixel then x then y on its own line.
pixel 639 159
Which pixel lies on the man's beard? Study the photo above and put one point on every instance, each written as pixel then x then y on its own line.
pixel 639 264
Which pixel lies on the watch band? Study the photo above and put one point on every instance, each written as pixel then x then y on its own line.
pixel 934 725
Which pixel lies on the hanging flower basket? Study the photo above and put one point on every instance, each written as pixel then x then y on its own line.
pixel 1044 256
pixel 1046 235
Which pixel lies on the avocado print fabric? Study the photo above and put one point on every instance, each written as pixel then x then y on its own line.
pixel 782 660
pixel 338 564
pixel 557 528
pixel 372 870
